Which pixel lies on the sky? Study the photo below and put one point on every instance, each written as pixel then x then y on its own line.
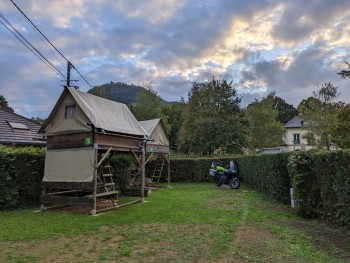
pixel 260 45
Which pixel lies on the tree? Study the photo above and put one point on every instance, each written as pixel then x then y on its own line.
pixel 340 128
pixel 285 111
pixel 213 120
pixel 99 91
pixel 345 73
pixel 174 114
pixel 264 129
pixel 149 106
pixel 38 120
pixel 4 104
pixel 317 113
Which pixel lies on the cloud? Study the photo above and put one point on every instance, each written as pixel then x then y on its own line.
pixel 295 78
pixel 262 45
pixel 307 20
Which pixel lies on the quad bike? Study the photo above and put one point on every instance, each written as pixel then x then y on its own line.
pixel 227 174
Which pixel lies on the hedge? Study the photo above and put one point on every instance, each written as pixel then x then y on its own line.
pixel 321 182
pixel 190 169
pixel 21 171
pixel 267 173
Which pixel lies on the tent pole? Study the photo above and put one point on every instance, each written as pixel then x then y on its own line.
pixel 143 153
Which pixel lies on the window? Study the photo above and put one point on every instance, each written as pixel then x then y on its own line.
pixel 69 111
pixel 17 125
pixel 296 138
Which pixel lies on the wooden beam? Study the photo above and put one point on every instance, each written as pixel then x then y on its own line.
pixel 66 200
pixel 104 157
pixel 64 192
pixel 148 158
pixel 136 158
pixel 143 166
pixel 167 158
pixel 89 186
pixel 94 204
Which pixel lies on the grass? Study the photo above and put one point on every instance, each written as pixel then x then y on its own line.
pixel 187 223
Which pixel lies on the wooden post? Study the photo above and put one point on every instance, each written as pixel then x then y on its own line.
pixel 94 207
pixel 42 206
pixel 168 161
pixel 143 153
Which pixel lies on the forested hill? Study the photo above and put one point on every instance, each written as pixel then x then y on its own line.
pixel 118 91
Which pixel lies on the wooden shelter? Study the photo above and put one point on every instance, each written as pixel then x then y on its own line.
pixel 158 144
pixel 83 132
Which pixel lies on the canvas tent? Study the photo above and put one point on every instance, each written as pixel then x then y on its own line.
pixel 83 131
pixel 158 145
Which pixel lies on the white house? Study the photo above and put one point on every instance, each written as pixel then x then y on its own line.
pixel 293 138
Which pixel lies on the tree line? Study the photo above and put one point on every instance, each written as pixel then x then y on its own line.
pixel 213 122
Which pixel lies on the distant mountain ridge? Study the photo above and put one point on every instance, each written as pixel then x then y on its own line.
pixel 119 92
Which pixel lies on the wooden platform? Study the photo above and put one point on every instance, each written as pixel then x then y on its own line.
pixel 136 192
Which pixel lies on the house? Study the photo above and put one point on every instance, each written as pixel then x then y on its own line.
pixel 83 132
pixel 18 130
pixel 293 138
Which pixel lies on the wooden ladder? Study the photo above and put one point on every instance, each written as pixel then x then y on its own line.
pixel 106 185
pixel 158 169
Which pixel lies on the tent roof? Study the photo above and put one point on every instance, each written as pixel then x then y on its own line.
pixel 156 131
pixel 104 114
pixel 149 125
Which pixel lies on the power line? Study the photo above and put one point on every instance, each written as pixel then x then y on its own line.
pixel 38 29
pixel 24 41
pixel 49 41
pixel 48 47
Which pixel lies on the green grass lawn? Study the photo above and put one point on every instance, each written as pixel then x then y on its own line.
pixel 187 223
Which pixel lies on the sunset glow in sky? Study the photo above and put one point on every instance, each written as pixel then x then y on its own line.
pixel 261 45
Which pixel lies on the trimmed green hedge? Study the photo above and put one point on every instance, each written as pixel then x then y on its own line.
pixel 321 182
pixel 267 173
pixel 21 171
pixel 190 169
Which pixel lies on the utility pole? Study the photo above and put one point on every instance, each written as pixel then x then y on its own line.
pixel 69 66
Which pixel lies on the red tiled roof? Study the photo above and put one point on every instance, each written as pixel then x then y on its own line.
pixel 10 135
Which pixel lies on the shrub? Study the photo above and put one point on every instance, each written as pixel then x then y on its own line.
pixel 21 172
pixel 121 170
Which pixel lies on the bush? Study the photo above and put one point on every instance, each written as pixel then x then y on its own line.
pixel 21 172
pixel 121 170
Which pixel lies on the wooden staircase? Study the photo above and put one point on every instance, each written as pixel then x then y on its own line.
pixel 106 185
pixel 157 172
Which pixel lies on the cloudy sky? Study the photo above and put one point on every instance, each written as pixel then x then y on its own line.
pixel 261 45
